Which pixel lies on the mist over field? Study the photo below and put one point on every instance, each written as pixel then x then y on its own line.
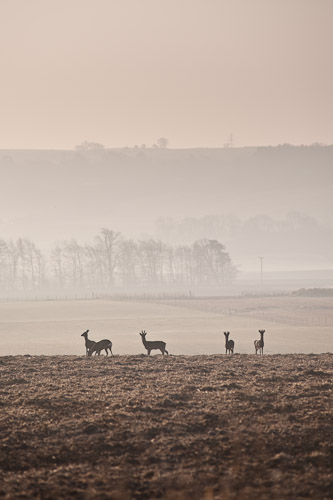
pixel 258 202
pixel 166 235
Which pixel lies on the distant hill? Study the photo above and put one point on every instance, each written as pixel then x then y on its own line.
pixel 49 195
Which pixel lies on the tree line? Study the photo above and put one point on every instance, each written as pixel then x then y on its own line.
pixel 112 260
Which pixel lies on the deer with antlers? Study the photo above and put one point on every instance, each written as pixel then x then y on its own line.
pixel 150 345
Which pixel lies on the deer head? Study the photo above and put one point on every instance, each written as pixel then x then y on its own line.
pixel 84 334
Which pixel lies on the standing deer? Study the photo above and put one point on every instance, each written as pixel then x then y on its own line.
pixel 99 346
pixel 88 343
pixel 229 344
pixel 259 344
pixel 150 345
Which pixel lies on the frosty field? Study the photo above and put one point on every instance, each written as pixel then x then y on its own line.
pixel 189 327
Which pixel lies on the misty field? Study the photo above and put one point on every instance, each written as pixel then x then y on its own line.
pixel 189 327
pixel 171 427
pixel 193 425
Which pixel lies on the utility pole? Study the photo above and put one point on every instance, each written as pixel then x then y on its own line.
pixel 261 259
pixel 230 143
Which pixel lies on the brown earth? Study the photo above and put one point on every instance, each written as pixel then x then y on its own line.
pixel 176 427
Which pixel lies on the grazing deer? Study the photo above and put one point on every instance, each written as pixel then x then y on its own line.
pixel 229 344
pixel 99 346
pixel 88 343
pixel 259 344
pixel 150 345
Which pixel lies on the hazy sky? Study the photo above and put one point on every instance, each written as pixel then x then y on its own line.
pixel 125 72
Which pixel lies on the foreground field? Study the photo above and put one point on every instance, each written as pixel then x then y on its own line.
pixel 176 427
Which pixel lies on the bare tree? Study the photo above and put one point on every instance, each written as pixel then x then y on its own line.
pixel 112 259
pixel 13 258
pixel 4 274
pixel 93 269
pixel 128 262
pixel 109 248
pixel 184 264
pixel 212 263
pixel 150 254
pixel 30 262
pixel 57 265
pixel 74 258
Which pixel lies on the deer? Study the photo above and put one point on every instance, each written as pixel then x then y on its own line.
pixel 88 343
pixel 99 346
pixel 229 344
pixel 150 345
pixel 259 344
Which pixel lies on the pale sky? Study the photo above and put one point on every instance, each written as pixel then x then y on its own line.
pixel 126 72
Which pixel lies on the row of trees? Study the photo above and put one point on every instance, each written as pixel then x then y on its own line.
pixel 161 143
pixel 112 261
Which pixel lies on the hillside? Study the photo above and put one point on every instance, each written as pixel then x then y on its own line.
pixel 52 195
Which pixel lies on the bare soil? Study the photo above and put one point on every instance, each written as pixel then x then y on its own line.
pixel 170 427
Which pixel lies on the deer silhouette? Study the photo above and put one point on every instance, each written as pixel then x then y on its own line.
pixel 150 345
pixel 229 344
pixel 259 344
pixel 88 343
pixel 99 346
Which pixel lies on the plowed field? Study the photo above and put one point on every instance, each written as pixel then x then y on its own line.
pixel 169 427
